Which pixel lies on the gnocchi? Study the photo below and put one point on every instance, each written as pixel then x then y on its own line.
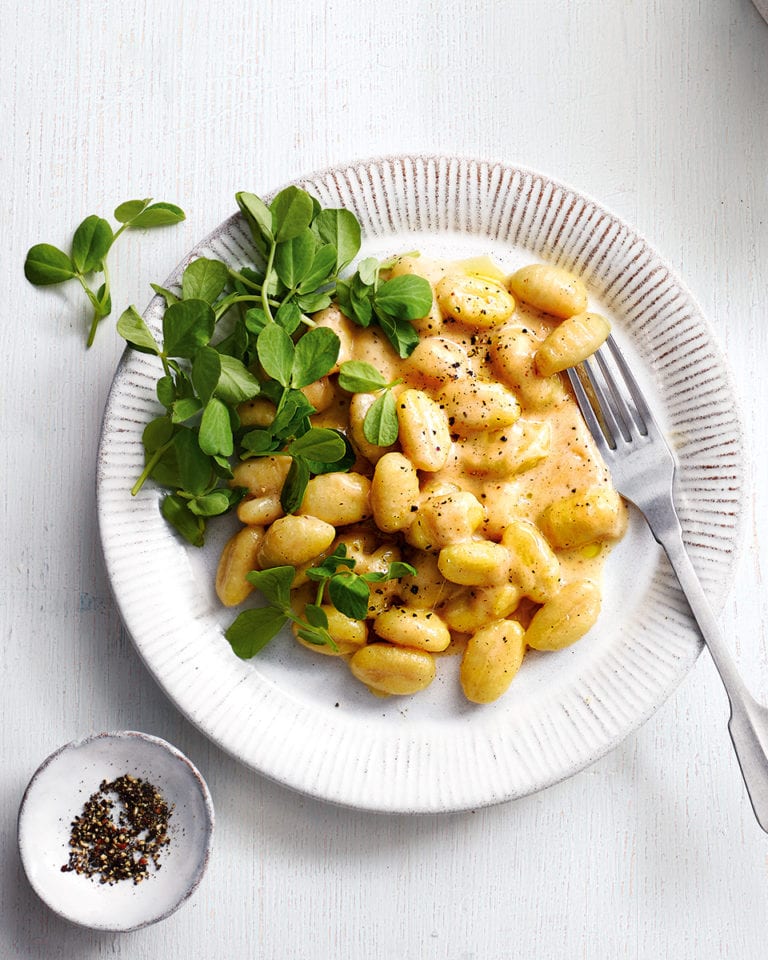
pixel 493 491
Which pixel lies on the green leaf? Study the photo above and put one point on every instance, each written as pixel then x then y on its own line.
pixel 322 269
pixel 350 595
pixel 156 434
pixel 312 302
pixel 380 425
pixel 355 300
pixel 258 441
pixel 91 244
pixel 46 264
pixel 406 297
pixel 401 334
pixel 276 351
pixel 293 258
pixel 216 430
pixel 165 472
pixel 258 217
pixel 274 583
pixel 236 344
pixel 328 566
pixel 355 376
pixel 104 301
pixel 166 391
pixel 341 229
pixel 193 464
pixel 295 485
pixel 319 443
pixel 256 320
pixel 317 636
pixel 204 279
pixel 316 354
pixel 158 215
pixel 236 383
pixel 131 209
pixel 288 316
pixel 167 295
pixel 176 511
pixel 292 415
pixel 398 569
pixel 206 370
pixel 133 329
pixel 342 465
pixel 187 326
pixel 368 271
pixel 185 408
pixel 316 616
pixel 292 211
pixel 252 630
pixel 212 504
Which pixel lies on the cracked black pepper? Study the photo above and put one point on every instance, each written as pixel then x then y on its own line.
pixel 121 833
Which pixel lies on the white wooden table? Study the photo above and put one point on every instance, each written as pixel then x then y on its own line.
pixel 660 111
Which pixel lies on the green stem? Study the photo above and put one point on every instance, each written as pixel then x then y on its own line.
pixel 151 464
pixel 264 296
pixel 242 298
pixel 320 592
pixel 245 281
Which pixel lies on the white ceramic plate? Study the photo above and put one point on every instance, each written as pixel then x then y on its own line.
pixel 300 718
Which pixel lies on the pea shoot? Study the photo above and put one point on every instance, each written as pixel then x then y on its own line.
pixel 231 334
pixel 46 264
pixel 349 592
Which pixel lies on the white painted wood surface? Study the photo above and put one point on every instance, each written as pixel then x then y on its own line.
pixel 658 110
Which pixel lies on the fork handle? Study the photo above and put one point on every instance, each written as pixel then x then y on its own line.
pixel 748 723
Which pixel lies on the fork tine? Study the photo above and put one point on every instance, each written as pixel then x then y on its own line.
pixel 621 409
pixel 646 418
pixel 600 432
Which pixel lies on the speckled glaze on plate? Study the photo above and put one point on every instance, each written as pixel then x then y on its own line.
pixel 55 796
pixel 300 718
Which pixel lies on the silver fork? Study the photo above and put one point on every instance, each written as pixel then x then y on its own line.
pixel 642 468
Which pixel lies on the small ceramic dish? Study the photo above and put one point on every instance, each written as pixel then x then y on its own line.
pixel 56 796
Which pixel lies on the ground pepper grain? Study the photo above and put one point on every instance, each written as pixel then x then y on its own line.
pixel 121 833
